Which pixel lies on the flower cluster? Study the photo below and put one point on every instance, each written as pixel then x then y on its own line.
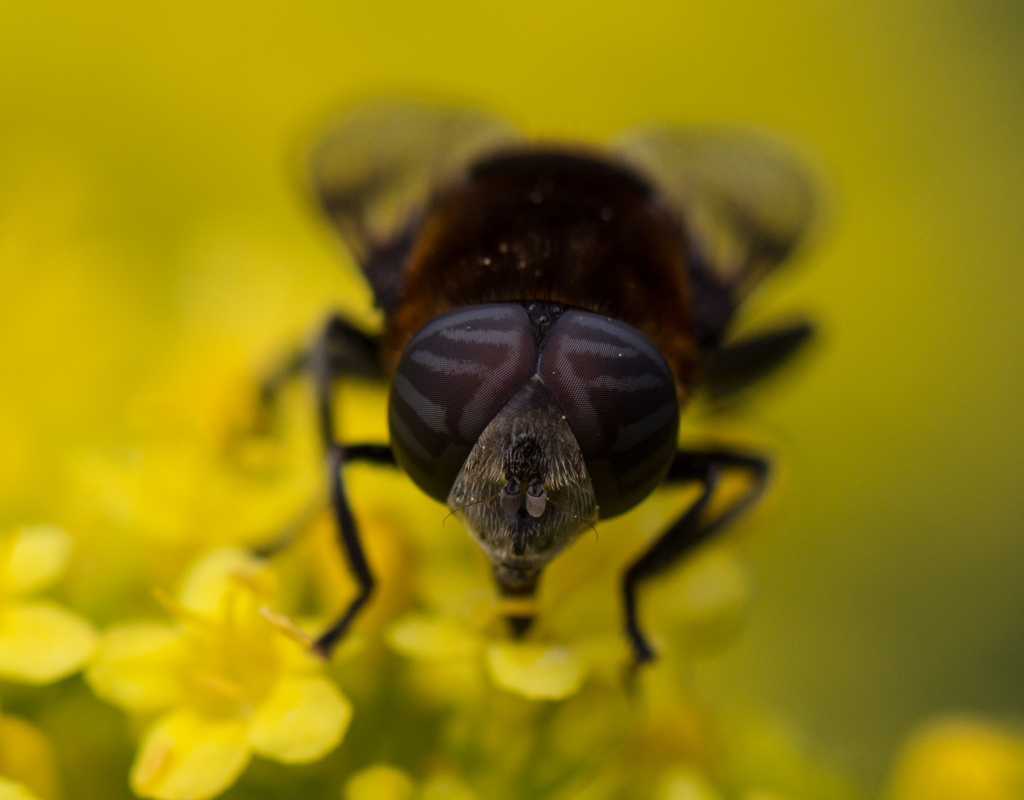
pixel 40 642
pixel 200 682
pixel 222 684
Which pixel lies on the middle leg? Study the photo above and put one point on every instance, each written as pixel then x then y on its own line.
pixel 692 528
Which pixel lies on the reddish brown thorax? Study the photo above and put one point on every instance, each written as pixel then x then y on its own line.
pixel 553 227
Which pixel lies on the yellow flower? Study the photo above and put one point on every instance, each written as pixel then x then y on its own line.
pixel 202 472
pixel 386 782
pixel 11 790
pixel 537 671
pixel 40 641
pixel 379 782
pixel 960 759
pixel 223 682
pixel 466 635
pixel 27 767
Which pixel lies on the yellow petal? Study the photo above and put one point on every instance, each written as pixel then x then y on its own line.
pixel 535 671
pixel 9 790
pixel 41 642
pixel 27 760
pixel 187 757
pixel 418 636
pixel 136 666
pixel 210 581
pixel 379 782
pixel 960 759
pixel 302 719
pixel 38 556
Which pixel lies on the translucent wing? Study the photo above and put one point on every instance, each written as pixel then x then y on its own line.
pixel 744 201
pixel 378 169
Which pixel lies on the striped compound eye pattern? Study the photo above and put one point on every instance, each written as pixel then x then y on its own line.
pixel 619 397
pixel 611 382
pixel 454 376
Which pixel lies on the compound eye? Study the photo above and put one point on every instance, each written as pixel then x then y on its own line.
pixel 453 378
pixel 619 397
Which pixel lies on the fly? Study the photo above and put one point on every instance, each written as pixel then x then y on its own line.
pixel 549 310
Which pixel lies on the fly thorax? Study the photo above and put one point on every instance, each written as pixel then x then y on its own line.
pixel 524 492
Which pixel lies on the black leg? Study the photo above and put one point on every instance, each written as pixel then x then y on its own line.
pixel 371 453
pixel 340 350
pixel 344 350
pixel 691 529
pixel 285 372
pixel 374 453
pixel 349 533
pixel 733 367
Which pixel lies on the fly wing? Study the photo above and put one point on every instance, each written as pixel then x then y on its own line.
pixel 378 169
pixel 744 201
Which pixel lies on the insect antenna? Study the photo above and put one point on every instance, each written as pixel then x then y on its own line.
pixel 567 511
pixel 474 503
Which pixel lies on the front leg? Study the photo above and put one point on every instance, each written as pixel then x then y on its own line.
pixel 349 534
pixel 691 529
pixel 340 350
pixel 344 350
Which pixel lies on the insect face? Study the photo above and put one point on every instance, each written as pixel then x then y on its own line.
pixel 524 492
pixel 531 422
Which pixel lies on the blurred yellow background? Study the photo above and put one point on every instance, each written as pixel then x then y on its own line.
pixel 148 171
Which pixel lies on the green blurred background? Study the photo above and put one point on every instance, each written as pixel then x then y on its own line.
pixel 148 197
